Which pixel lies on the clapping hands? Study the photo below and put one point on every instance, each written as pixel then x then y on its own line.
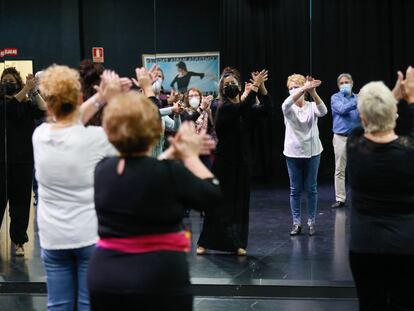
pixel 187 143
pixel 109 87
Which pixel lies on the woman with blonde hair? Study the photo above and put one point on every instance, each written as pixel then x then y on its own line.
pixel 302 147
pixel 66 153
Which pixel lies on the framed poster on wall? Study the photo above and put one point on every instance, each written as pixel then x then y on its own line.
pixel 23 66
pixel 183 71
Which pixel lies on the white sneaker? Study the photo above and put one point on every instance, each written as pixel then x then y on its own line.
pixel 19 250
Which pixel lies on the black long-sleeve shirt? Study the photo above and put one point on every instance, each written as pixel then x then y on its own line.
pixel 150 197
pixel 382 182
pixel 233 125
pixel 17 123
pixel 184 81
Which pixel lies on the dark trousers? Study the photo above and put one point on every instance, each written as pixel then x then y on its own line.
pixel 383 281
pixel 16 189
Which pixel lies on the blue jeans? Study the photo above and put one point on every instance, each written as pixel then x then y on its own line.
pixel 66 277
pixel 303 174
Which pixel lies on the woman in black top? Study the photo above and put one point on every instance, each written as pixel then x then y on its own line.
pixel 227 228
pixel 17 123
pixel 183 78
pixel 381 171
pixel 145 268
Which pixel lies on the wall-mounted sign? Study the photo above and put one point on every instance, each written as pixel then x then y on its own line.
pixel 8 52
pixel 98 55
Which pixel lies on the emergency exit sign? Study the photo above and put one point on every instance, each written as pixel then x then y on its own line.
pixel 98 55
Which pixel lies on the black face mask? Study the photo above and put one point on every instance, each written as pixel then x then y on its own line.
pixel 9 88
pixel 231 91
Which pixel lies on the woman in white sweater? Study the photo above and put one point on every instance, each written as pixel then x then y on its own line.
pixel 302 146
pixel 66 153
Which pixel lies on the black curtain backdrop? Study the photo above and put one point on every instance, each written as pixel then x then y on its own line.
pixel 45 31
pixel 272 35
pixel 371 39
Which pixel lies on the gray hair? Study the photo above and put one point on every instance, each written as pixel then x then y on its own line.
pixel 346 75
pixel 378 107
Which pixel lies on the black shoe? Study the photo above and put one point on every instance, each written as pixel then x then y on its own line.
pixel 312 230
pixel 338 204
pixel 296 229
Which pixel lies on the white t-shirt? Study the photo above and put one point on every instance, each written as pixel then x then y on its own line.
pixel 65 161
pixel 302 134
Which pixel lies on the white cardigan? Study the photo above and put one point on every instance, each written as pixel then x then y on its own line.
pixel 302 134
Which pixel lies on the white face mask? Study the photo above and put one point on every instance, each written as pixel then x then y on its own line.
pixel 194 102
pixel 294 91
pixel 156 86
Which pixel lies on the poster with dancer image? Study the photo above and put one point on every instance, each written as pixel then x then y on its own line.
pixel 183 71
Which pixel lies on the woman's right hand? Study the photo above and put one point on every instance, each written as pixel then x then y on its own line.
pixel 187 143
pixel 260 78
pixel 311 84
pixel 408 85
pixel 109 87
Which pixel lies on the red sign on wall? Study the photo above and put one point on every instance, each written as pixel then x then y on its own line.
pixel 98 55
pixel 8 52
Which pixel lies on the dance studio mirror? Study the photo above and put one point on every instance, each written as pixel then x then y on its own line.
pixel 199 39
pixel 245 246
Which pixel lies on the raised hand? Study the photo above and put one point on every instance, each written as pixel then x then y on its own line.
pixel 177 108
pixel 173 97
pixel 153 72
pixel 30 82
pixel 397 90
pixel 126 84
pixel 143 79
pixel 187 142
pixel 109 87
pixel 408 85
pixel 258 78
pixel 206 102
pixel 311 84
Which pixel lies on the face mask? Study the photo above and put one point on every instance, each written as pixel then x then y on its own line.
pixel 345 88
pixel 194 102
pixel 10 88
pixel 231 91
pixel 156 86
pixel 293 91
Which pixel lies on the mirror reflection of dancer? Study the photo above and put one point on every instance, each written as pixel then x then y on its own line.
pixel 183 78
pixel 226 228
pixel 303 147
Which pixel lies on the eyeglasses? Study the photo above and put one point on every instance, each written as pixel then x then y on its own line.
pixel 195 95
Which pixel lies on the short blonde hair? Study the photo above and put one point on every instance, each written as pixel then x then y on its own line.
pixel 132 122
pixel 62 88
pixel 378 107
pixel 297 78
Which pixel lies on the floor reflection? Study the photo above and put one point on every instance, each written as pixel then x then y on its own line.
pixel 272 254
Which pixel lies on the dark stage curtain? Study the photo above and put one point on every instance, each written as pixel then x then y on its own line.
pixel 272 35
pixel 370 39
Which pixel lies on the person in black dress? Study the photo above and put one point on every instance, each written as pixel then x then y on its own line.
pixel 183 78
pixel 226 228
pixel 140 262
pixel 381 170
pixel 17 123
